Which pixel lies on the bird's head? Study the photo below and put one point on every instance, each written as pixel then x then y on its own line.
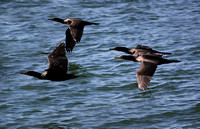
pixel 123 49
pixel 32 73
pixel 27 72
pixel 53 19
pixel 119 48
pixel 125 57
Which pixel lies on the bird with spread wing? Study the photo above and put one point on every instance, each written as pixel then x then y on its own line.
pixel 149 59
pixel 74 31
pixel 140 49
pixel 58 64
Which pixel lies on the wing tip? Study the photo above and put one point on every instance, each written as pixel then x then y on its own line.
pixel 142 88
pixel 69 50
pixel 61 44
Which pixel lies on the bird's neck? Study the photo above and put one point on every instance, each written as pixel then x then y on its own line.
pixel 131 58
pixel 35 74
pixel 127 50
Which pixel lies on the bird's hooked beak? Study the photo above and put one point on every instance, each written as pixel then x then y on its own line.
pixel 26 73
pixel 52 19
pixel 119 57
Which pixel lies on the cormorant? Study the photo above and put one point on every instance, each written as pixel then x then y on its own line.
pixel 57 70
pixel 140 49
pixel 148 66
pixel 74 31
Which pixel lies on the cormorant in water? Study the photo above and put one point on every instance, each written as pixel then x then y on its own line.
pixel 140 49
pixel 57 70
pixel 74 31
pixel 148 67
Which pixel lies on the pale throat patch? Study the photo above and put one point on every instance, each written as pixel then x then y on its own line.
pixel 44 74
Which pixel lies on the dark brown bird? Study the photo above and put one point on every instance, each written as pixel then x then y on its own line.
pixel 140 50
pixel 58 63
pixel 148 67
pixel 74 31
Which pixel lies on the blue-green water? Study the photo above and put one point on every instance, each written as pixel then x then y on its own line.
pixel 106 95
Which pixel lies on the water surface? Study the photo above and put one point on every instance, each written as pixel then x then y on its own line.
pixel 106 94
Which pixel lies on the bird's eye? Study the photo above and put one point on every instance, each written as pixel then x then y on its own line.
pixel 69 22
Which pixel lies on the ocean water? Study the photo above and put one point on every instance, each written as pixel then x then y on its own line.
pixel 105 96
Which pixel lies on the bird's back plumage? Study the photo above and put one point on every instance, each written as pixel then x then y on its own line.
pixel 57 59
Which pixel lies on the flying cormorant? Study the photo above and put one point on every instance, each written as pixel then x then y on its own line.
pixel 148 66
pixel 74 31
pixel 57 70
pixel 140 49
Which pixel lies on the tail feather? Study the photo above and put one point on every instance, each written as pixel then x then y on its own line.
pixel 91 23
pixel 166 53
pixel 171 61
pixel 166 61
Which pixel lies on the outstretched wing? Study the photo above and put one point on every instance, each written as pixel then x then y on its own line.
pixel 57 60
pixel 76 29
pixel 143 47
pixel 144 74
pixel 73 34
pixel 70 43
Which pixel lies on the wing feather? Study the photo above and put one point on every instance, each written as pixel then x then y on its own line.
pixel 57 60
pixel 76 29
pixel 144 74
pixel 70 43
pixel 143 47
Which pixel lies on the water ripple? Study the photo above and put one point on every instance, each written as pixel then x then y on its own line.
pixel 105 95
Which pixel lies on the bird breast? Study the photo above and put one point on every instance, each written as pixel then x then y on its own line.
pixel 140 58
